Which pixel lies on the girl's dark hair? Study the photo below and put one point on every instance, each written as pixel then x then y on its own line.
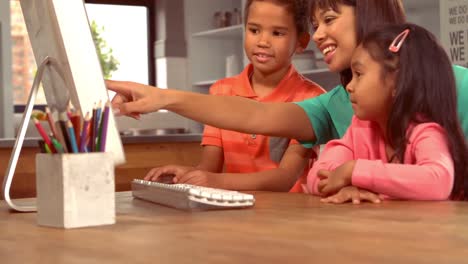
pixel 298 8
pixel 425 91
pixel 370 14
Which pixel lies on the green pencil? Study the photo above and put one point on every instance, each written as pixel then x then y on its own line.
pixel 57 145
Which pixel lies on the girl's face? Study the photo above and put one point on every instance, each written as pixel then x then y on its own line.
pixel 370 93
pixel 335 35
pixel 270 37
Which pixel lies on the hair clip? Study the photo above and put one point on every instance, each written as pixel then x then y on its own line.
pixel 395 47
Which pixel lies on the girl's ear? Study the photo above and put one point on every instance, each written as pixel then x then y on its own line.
pixel 392 81
pixel 304 39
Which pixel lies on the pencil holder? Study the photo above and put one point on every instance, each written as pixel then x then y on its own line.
pixel 75 190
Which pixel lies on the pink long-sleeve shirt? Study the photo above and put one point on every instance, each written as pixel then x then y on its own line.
pixel 427 172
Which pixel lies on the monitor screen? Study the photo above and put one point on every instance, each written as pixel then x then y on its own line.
pixel 60 29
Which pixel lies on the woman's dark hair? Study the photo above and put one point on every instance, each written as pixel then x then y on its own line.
pixel 425 91
pixel 298 8
pixel 370 14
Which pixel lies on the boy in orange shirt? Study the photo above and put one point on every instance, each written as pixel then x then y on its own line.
pixel 275 30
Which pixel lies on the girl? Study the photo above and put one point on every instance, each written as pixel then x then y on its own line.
pixel 400 144
pixel 275 30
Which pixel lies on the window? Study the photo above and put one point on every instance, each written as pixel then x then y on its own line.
pixel 127 28
pixel 23 62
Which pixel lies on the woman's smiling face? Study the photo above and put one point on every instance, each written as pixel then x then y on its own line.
pixel 335 35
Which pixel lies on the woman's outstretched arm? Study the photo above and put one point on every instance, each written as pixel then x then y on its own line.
pixel 227 112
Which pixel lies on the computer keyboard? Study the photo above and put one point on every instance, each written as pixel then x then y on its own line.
pixel 190 197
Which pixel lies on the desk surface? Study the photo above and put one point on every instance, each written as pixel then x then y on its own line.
pixel 281 228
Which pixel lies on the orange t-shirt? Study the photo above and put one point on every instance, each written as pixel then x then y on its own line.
pixel 247 153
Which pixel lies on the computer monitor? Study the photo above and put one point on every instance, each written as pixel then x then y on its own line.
pixel 62 41
pixel 60 29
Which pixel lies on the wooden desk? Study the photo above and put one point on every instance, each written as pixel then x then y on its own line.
pixel 281 228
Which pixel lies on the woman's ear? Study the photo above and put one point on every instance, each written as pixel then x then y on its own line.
pixel 303 41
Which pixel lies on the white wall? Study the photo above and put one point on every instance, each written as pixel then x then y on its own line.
pixel 424 13
pixel 172 73
pixel 171 68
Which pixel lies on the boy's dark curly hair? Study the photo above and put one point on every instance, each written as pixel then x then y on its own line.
pixel 300 9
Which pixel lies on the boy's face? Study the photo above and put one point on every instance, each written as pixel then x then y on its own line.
pixel 370 93
pixel 335 35
pixel 270 37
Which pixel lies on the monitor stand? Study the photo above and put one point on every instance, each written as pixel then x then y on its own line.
pixel 20 205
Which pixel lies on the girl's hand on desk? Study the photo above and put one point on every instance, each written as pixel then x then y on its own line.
pixel 156 174
pixel 133 99
pixel 353 194
pixel 332 181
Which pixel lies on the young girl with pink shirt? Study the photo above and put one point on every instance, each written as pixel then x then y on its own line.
pixel 405 141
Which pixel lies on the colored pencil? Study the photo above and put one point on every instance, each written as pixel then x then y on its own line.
pixel 71 132
pixel 43 134
pixel 84 133
pixel 47 149
pixel 92 133
pixel 96 126
pixel 65 133
pixel 60 137
pixel 76 121
pixel 51 121
pixel 103 128
pixel 57 146
pixel 69 112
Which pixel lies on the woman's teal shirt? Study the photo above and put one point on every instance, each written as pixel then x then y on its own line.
pixel 330 113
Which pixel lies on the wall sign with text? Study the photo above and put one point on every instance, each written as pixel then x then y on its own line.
pixel 454 30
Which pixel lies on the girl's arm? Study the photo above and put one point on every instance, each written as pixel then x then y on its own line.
pixel 429 177
pixel 227 112
pixel 282 178
pixel 336 153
